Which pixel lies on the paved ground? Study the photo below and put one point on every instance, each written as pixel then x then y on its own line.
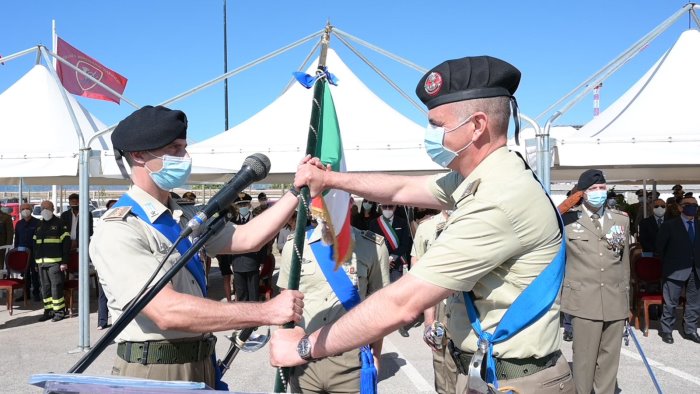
pixel 29 347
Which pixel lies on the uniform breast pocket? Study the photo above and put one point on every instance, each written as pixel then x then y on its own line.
pixel 362 279
pixel 308 267
pixel 571 295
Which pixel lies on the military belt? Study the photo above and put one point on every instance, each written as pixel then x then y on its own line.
pixel 506 368
pixel 166 352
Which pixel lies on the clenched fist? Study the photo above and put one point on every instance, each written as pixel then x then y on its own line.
pixel 311 172
pixel 287 306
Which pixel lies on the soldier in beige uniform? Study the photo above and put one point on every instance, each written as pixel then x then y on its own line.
pixel 502 234
pixel 596 285
pixel 170 339
pixel 435 318
pixel 368 270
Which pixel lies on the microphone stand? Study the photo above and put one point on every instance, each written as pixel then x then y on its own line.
pixel 130 313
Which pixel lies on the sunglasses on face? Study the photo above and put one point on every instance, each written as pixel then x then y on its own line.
pixel 659 206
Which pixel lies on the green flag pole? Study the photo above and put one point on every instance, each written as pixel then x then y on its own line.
pixel 282 377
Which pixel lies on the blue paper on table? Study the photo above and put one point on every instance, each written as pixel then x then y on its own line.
pixel 79 383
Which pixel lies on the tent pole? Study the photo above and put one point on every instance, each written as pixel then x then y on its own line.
pixel 546 156
pixel 540 149
pixel 83 273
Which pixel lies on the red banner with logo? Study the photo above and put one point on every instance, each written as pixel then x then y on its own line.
pixel 81 85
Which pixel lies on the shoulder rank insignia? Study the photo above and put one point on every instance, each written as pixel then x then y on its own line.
pixel 619 212
pixel 290 237
pixel 374 237
pixel 471 188
pixel 118 213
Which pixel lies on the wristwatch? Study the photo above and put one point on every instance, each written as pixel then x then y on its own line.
pixel 294 191
pixel 304 348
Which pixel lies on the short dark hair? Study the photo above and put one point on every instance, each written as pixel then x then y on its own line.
pixel 74 196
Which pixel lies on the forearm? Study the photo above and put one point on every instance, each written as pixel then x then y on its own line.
pixel 384 188
pixel 429 315
pixel 255 234
pixel 398 304
pixel 171 310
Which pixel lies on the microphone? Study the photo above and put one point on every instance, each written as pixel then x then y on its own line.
pixel 255 168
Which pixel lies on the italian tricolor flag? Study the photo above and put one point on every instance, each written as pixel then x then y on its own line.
pixel 331 209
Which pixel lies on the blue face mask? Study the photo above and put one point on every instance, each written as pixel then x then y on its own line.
pixel 596 198
pixel 175 172
pixel 434 137
pixel 690 210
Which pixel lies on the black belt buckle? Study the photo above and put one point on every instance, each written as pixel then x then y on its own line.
pixel 455 354
pixel 144 355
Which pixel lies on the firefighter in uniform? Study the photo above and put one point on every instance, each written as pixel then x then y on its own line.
pixel 51 249
pixel 368 271
pixel 170 339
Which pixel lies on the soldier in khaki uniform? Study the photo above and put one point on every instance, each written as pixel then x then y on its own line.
pixel 502 234
pixel 596 285
pixel 170 339
pixel 368 270
pixel 444 368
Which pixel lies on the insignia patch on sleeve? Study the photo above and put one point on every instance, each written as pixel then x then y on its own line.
pixel 118 213
pixel 374 237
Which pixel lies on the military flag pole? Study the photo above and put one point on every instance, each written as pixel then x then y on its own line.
pixel 282 377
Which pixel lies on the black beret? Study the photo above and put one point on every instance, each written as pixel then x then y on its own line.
pixel 590 178
pixel 149 128
pixel 466 79
pixel 262 195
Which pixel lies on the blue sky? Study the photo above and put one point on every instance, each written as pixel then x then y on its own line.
pixel 165 47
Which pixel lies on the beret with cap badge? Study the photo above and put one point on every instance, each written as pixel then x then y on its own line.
pixel 466 79
pixel 149 128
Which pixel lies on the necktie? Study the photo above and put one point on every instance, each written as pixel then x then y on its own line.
pixel 691 231
pixel 659 221
pixel 596 221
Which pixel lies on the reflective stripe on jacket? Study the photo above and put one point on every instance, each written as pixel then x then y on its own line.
pixel 51 242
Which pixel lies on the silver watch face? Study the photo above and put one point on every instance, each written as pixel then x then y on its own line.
pixel 304 348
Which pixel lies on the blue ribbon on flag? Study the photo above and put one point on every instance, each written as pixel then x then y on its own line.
pixel 348 296
pixel 308 81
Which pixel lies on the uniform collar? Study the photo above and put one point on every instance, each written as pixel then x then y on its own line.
pixel 152 207
pixel 489 164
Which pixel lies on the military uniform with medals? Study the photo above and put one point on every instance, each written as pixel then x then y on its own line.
pixel 368 270
pixel 596 292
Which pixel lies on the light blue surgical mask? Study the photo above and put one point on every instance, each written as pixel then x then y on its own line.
pixel 174 173
pixel 244 211
pixel 434 137
pixel 596 198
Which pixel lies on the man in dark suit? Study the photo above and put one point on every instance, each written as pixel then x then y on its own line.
pixel 398 239
pixel 678 245
pixel 649 227
pixel 70 218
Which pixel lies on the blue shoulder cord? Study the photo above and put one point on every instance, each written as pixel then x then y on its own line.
pixel 348 296
pixel 166 225
pixel 528 307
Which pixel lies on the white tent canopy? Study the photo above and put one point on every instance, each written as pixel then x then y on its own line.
pixel 39 141
pixel 375 136
pixel 651 132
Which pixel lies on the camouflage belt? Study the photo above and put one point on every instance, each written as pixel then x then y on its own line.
pixel 507 368
pixel 164 352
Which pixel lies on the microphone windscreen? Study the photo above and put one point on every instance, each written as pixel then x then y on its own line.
pixel 259 163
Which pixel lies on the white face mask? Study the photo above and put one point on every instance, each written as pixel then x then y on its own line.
pixel 46 214
pixel 388 213
pixel 659 212
pixel 366 206
pixel 25 213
